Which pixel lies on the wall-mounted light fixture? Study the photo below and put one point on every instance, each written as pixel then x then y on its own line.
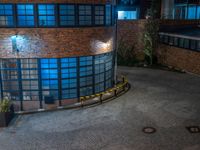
pixel 14 43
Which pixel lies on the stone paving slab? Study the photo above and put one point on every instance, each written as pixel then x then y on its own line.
pixel 167 101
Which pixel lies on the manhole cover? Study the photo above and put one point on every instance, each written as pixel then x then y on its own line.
pixel 149 130
pixel 193 129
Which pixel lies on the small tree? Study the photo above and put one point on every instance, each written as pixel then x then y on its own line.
pixel 150 36
pixel 126 53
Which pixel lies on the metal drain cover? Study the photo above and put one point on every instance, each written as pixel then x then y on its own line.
pixel 149 130
pixel 193 129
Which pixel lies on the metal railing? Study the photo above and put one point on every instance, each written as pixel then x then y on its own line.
pixel 120 88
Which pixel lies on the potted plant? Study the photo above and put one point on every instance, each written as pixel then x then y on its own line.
pixel 6 112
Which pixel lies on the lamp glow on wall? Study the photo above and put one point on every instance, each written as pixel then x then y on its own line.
pixel 14 43
pixel 100 46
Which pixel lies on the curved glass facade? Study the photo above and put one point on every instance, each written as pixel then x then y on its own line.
pixel 62 78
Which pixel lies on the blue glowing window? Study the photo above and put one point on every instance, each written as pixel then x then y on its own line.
pixel 6 15
pixel 69 83
pixel 198 12
pixel 127 15
pixel 192 12
pixel 99 87
pixel 68 62
pixel 108 15
pixel 69 93
pixel 85 15
pixel 25 15
pixel 85 61
pixel 67 15
pixel 69 73
pixel 49 84
pixel 86 71
pixel 99 15
pixel 46 14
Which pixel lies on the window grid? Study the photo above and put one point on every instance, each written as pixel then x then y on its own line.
pixel 46 15
pixel 6 15
pixel 180 42
pixel 99 15
pixel 85 15
pixel 108 14
pixel 25 15
pixel 67 15
pixel 39 78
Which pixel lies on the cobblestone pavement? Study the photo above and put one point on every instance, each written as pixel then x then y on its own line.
pixel 167 101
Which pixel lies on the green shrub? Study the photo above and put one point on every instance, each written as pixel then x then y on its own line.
pixel 126 54
pixel 5 105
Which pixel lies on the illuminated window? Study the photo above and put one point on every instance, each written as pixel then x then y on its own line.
pixel 85 15
pixel 192 12
pixel 6 15
pixel 46 14
pixel 108 15
pixel 180 12
pixel 49 76
pixel 25 15
pixel 127 15
pixel 67 15
pixel 198 12
pixel 99 15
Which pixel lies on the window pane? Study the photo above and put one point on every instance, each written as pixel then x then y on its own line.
pixel 127 15
pixel 67 15
pixel 198 12
pixel 108 15
pixel 6 15
pixel 85 15
pixel 46 15
pixel 192 12
pixel 99 15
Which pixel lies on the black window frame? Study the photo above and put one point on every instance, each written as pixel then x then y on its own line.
pixel 85 15
pixel 13 15
pixel 108 18
pixel 17 15
pixel 59 15
pixel 55 16
pixel 99 15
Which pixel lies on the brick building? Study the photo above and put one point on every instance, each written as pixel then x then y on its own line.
pixel 62 50
pixel 179 32
pixel 55 50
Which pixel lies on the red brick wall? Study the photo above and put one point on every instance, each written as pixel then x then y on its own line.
pixel 180 58
pixel 56 42
pixel 131 32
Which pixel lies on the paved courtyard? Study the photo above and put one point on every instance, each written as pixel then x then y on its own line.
pixel 167 101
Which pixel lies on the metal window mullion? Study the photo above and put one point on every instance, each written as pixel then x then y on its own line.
pixel 39 83
pixel 93 74
pixel 78 78
pixel 15 21
pixel 59 82
pixel 114 79
pixel 1 86
pixel 56 14
pixel 20 83
pixel 35 14
pixel 76 11
pixel 104 14
pixel 105 74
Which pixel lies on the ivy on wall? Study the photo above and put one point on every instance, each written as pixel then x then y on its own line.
pixel 150 36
